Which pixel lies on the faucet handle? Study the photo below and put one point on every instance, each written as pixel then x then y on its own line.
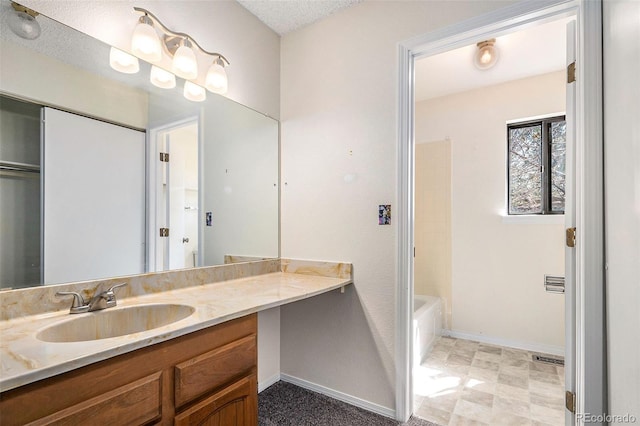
pixel 111 295
pixel 113 287
pixel 78 305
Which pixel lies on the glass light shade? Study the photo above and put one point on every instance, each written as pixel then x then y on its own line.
pixel 193 92
pixel 24 25
pixel 123 62
pixel 145 42
pixel 486 56
pixel 184 63
pixel 216 80
pixel 161 78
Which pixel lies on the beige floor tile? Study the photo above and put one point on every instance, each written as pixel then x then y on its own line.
pixel 444 401
pixel 547 415
pixel 433 414
pixel 487 365
pixel 515 363
pixel 513 380
pixel 543 367
pixel 471 382
pixel 551 379
pixel 488 356
pixel 555 402
pixel 482 374
pixel 512 392
pixel 503 418
pixel 511 405
pixel 488 385
pixel 477 396
pixel 472 410
pixel 543 388
pixel 457 420
pixel 496 350
pixel 514 371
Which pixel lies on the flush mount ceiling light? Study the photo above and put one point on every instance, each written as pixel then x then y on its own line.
pixel 23 22
pixel 487 54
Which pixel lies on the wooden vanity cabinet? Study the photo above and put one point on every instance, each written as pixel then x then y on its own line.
pixel 208 377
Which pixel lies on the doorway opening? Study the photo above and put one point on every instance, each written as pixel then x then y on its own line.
pixel 484 236
pixel 585 380
pixel 176 196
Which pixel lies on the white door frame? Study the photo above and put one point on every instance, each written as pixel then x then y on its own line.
pixel 154 189
pixel 590 369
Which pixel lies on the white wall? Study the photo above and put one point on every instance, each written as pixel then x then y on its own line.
pixel 218 26
pixel 621 31
pixel 339 100
pixel 497 267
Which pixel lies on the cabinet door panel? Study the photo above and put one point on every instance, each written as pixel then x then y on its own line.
pixel 235 405
pixel 206 372
pixel 134 404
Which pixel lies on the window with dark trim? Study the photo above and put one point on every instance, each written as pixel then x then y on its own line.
pixel 536 152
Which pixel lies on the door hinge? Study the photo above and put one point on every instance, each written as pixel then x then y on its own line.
pixel 571 72
pixel 570 401
pixel 164 232
pixel 570 235
pixel 164 157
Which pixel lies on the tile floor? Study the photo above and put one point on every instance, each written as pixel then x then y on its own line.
pixel 469 383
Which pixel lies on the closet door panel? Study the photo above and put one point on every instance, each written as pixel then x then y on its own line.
pixel 94 198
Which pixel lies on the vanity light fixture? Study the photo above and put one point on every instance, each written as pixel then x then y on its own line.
pixel 23 22
pixel 216 80
pixel 162 78
pixel 123 62
pixel 185 64
pixel 145 42
pixel 487 54
pixel 184 52
pixel 193 92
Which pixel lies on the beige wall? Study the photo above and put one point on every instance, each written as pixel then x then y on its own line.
pixel 497 267
pixel 432 263
pixel 219 26
pixel 65 86
pixel 339 108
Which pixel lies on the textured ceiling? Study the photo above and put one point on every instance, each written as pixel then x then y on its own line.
pixel 284 16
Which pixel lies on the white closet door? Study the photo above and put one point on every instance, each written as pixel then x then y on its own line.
pixel 94 199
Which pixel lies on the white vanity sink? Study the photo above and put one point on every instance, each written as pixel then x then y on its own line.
pixel 114 322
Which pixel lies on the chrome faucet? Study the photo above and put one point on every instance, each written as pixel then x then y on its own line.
pixel 100 300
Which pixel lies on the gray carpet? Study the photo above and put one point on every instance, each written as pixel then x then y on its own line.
pixel 287 404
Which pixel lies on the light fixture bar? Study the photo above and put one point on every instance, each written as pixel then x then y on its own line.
pixel 186 36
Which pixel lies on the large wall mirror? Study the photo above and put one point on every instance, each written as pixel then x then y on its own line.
pixel 85 191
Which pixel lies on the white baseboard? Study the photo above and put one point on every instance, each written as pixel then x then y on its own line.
pixel 270 381
pixel 527 346
pixel 349 399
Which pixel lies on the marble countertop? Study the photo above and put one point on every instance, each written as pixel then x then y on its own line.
pixel 25 359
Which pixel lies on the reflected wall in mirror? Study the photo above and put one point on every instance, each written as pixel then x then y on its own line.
pixel 218 194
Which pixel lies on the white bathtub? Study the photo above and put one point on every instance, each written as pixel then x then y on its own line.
pixel 427 325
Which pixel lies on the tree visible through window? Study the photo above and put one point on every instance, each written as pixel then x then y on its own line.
pixel 536 166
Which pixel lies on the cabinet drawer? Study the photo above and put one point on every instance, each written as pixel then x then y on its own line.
pixel 206 372
pixel 235 405
pixel 136 403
